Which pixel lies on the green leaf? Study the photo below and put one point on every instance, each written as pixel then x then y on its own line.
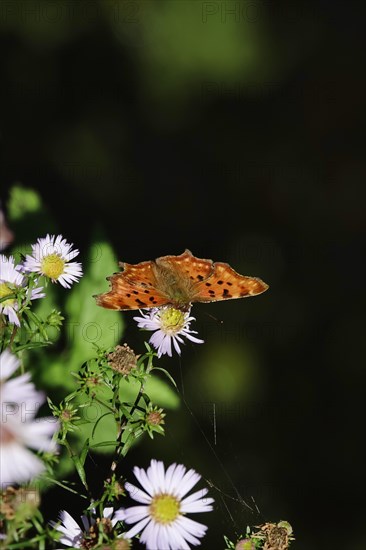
pixel 80 469
pixel 32 345
pixel 105 444
pixel 84 452
pixel 167 374
pixel 158 391
pixel 29 218
pixel 63 485
pixel 97 424
pixel 22 201
pixel 7 297
pixel 106 431
pixel 89 324
pixel 37 321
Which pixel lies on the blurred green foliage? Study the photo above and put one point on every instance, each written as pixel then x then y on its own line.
pixel 87 328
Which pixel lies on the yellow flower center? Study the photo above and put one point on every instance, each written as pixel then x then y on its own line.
pixel 172 320
pixel 164 508
pixel 53 266
pixel 5 290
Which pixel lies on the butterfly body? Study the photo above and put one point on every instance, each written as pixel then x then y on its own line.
pixel 177 281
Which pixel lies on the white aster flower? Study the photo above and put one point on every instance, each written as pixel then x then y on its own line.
pixel 51 256
pixel 170 325
pixel 11 280
pixel 19 429
pixel 75 536
pixel 161 518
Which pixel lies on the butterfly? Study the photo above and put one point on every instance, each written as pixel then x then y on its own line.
pixel 176 281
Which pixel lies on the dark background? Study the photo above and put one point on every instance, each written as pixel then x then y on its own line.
pixel 233 129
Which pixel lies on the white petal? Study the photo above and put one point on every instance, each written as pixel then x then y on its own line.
pixel 193 338
pixel 17 464
pixel 13 317
pixel 108 512
pixel 190 526
pixel 168 476
pixel 177 478
pixel 197 502
pixel 137 528
pixel 190 479
pixel 38 434
pixel 134 514
pixel 156 475
pixel 176 345
pixel 137 494
pixel 8 364
pixel 197 507
pixel 69 523
pixel 145 482
pixel 150 536
pixel 177 538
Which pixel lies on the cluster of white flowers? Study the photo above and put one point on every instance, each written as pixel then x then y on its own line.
pixel 51 257
pixel 161 516
pixel 19 429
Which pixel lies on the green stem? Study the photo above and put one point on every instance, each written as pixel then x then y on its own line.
pixel 111 409
pixel 120 434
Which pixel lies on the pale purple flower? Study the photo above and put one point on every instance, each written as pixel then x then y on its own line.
pixel 161 516
pixel 51 256
pixel 170 325
pixel 72 534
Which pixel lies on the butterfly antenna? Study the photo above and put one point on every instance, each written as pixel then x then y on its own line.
pixel 220 321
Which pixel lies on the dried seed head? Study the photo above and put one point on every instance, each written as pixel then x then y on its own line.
pixel 122 359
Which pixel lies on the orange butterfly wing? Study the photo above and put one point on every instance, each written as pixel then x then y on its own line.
pixel 225 284
pixel 187 266
pixel 133 288
pixel 178 281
